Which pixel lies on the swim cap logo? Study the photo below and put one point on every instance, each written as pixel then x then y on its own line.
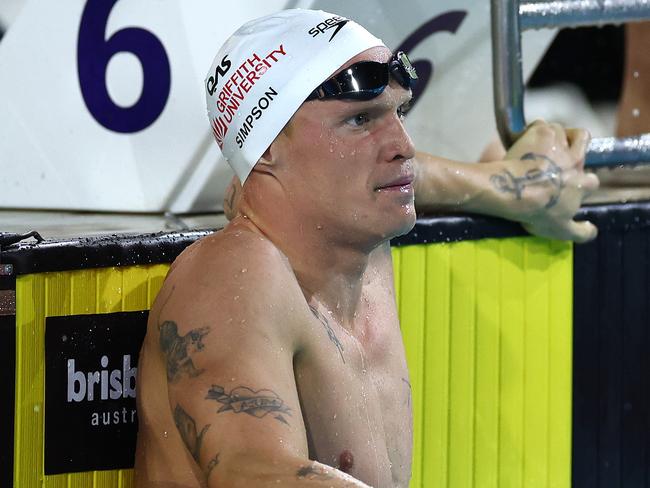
pixel 335 22
pixel 235 90
pixel 222 69
pixel 219 130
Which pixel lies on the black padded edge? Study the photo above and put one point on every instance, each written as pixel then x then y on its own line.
pixel 124 250
pixel 454 228
pixel 7 389
pixel 98 252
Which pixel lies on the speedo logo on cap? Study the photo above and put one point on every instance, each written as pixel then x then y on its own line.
pixel 337 23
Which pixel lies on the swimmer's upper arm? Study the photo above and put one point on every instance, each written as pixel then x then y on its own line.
pixel 227 338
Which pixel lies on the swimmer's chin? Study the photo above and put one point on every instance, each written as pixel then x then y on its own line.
pixel 405 224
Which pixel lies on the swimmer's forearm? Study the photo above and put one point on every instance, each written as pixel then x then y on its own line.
pixel 444 185
pixel 290 473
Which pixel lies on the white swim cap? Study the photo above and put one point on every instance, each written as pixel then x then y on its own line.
pixel 266 70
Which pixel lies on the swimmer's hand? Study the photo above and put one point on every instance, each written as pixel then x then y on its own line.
pixel 541 183
pixel 550 183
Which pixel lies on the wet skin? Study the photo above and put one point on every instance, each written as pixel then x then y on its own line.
pixel 276 341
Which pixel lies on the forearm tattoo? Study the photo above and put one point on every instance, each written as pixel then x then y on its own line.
pixel 506 182
pixel 257 404
pixel 311 472
pixel 178 350
pixel 330 332
pixel 187 428
pixel 211 465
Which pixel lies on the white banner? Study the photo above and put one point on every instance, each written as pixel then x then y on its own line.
pixel 102 104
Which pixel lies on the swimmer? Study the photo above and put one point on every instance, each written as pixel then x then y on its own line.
pixel 273 354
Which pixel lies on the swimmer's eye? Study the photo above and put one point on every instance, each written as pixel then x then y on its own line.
pixel 358 120
pixel 403 110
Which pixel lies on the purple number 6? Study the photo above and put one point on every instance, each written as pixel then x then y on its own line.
pixel 447 22
pixel 93 54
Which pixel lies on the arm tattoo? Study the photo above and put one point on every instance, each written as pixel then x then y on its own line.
pixel 211 465
pixel 187 428
pixel 506 182
pixel 178 349
pixel 312 472
pixel 330 332
pixel 242 399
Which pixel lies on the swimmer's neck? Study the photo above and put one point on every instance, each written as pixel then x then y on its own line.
pixel 331 273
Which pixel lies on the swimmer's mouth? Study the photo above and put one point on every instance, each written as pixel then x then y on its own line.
pixel 404 183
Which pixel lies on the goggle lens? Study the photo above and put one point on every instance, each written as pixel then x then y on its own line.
pixel 367 79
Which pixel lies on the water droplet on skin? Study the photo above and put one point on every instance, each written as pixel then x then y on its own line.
pixel 165 434
pixel 236 297
pixel 635 74
pixel 342 156
pixel 244 270
pixel 636 112
pixel 319 227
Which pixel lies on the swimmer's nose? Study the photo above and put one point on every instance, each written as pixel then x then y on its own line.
pixel 398 145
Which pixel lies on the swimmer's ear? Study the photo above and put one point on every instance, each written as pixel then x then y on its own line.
pixel 266 159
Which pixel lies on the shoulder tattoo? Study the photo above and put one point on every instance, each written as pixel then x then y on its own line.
pixel 178 350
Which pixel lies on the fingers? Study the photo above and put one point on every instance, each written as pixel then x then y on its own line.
pixel 580 232
pixel 588 183
pixel 579 140
pixel 560 135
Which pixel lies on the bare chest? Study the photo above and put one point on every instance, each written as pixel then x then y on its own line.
pixel 355 399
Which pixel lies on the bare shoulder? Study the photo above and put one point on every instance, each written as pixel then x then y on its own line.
pixel 233 276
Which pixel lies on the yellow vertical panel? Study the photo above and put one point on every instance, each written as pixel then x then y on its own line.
pixel 488 330
pixel 135 288
pixel 28 425
pixel 83 292
pixel 127 478
pixel 157 274
pixel 511 365
pixel 412 283
pixel 536 379
pixel 435 447
pixel 56 294
pixel 61 300
pixel 109 290
pixel 105 479
pixel 462 357
pixel 560 364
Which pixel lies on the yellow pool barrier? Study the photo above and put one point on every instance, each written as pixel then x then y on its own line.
pixel 487 329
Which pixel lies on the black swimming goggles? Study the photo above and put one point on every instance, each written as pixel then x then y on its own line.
pixel 367 79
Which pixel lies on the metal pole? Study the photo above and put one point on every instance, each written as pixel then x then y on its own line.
pixel 509 18
pixel 506 68
pixel 573 13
